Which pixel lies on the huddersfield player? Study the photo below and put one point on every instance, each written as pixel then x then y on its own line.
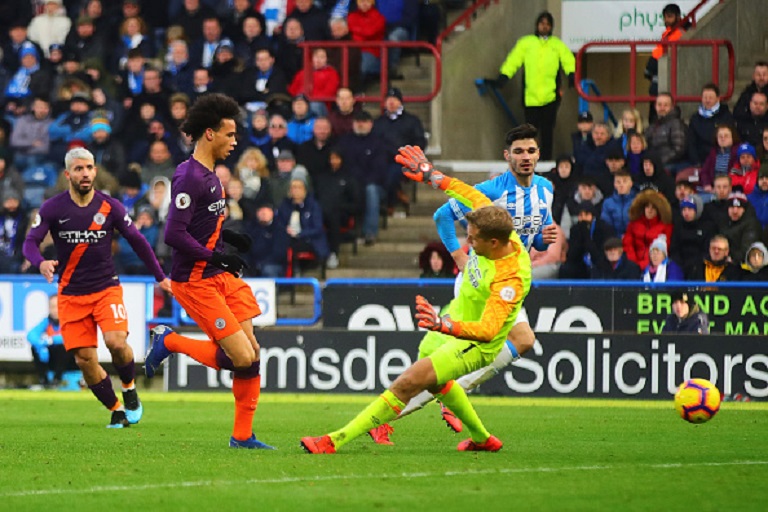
pixel 528 198
pixel 471 334
pixel 205 279
pixel 81 221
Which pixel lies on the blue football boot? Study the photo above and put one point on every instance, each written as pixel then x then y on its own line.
pixel 251 443
pixel 157 352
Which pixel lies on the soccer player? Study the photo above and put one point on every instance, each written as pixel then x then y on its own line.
pixel 81 221
pixel 528 199
pixel 204 278
pixel 471 334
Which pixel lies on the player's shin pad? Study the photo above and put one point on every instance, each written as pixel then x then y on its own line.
pixel 474 379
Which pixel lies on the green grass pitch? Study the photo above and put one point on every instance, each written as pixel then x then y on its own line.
pixel 56 455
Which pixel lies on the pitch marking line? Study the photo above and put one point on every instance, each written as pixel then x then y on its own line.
pixel 377 476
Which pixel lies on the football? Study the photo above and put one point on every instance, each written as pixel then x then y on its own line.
pixel 697 400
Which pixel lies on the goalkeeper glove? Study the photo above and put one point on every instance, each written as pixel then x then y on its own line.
pixel 231 263
pixel 239 241
pixel 428 318
pixel 416 167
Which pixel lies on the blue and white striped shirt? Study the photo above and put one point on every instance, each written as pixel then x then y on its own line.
pixel 530 207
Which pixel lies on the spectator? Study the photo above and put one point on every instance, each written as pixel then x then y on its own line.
pixel 226 69
pixel 159 198
pixel 635 153
pixel 368 24
pixel 30 139
pixel 253 172
pixel 564 182
pixel 397 128
pixel 715 266
pixel 313 19
pixel 288 55
pixel 249 37
pixel 159 162
pixel 717 209
pixel 132 190
pixel 744 173
pixel 751 127
pixel 302 122
pixel 594 165
pixel 85 41
pixel 615 266
pixel 615 162
pixel 13 229
pixel 108 153
pixel 436 262
pixel 339 196
pixel 127 260
pixel 303 218
pixel 691 232
pixel 152 92
pixel 191 18
pixel 649 216
pixel 287 172
pixel 49 27
pixel 683 188
pixel 367 157
pixel 762 150
pixel 313 154
pixel 721 159
pixel 631 123
pixel 615 209
pixel 684 317
pixel 203 49
pixel 178 69
pixel 17 37
pixel 268 254
pixel 48 352
pixel 759 196
pixel 587 193
pixel 402 23
pixel 704 123
pixel 134 35
pixel 755 263
pixel 342 113
pixel 586 238
pixel 759 84
pixel 541 55
pixel 667 135
pixel 741 230
pixel 262 82
pixel 70 126
pixel 236 16
pixel 239 207
pixel 340 32
pixel 546 264
pixel 660 268
pixel 10 179
pixel 201 83
pixel 278 142
pixel 323 84
pixel 655 178
pixel 583 145
pixel 258 129
pixel 30 79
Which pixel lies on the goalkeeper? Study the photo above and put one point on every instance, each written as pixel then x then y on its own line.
pixel 470 336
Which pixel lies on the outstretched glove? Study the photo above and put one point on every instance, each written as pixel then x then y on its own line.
pixel 239 241
pixel 231 263
pixel 429 319
pixel 416 167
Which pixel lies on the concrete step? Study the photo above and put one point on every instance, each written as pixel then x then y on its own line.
pixel 381 259
pixel 374 273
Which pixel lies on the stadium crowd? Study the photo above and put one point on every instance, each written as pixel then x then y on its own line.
pixel 659 201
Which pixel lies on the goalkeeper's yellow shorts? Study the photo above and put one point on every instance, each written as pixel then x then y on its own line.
pixel 452 357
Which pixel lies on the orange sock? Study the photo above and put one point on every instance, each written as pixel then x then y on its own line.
pixel 202 351
pixel 246 393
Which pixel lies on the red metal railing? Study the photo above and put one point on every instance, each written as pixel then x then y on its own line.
pixel 382 46
pixel 464 19
pixel 672 46
pixel 689 20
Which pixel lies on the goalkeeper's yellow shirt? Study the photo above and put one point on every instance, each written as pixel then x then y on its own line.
pixel 492 291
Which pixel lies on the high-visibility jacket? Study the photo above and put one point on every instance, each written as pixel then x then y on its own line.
pixel 542 59
pixel 668 35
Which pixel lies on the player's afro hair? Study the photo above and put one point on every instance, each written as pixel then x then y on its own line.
pixel 207 112
pixel 523 131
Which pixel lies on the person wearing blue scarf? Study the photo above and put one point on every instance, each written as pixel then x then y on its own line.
pixel 20 85
pixel 703 124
